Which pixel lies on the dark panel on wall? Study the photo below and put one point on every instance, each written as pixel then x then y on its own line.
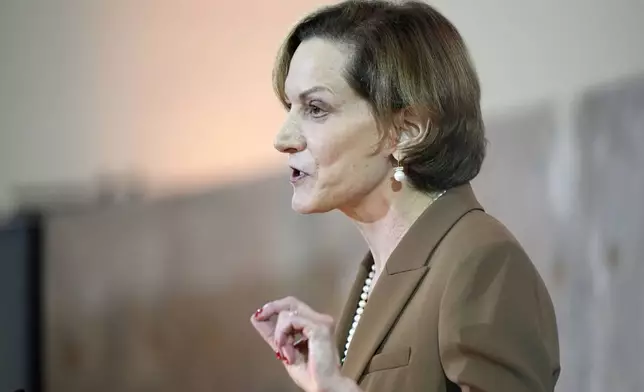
pixel 19 304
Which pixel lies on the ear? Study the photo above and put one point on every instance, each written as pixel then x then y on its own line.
pixel 411 128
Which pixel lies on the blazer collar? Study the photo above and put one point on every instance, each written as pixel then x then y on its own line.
pixel 403 271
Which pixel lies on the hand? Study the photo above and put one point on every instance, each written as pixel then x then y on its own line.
pixel 311 358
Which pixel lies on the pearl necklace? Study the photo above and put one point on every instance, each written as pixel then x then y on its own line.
pixel 364 297
pixel 366 290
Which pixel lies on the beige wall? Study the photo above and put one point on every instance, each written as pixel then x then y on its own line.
pixel 179 91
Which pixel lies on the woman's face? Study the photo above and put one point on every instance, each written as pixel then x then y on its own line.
pixel 330 134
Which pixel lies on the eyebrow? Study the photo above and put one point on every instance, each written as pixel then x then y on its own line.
pixel 304 94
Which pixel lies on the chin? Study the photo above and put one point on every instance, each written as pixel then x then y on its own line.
pixel 309 204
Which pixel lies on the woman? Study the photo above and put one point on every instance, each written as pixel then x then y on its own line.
pixel 384 124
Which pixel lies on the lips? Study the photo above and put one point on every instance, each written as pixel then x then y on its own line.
pixel 297 174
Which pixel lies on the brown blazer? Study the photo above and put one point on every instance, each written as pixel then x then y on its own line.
pixel 459 302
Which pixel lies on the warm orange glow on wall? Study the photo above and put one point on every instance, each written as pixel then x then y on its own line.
pixel 190 90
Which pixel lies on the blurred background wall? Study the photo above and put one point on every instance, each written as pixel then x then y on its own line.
pixel 179 92
pixel 171 102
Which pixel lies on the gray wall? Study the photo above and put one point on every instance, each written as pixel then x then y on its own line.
pixel 156 295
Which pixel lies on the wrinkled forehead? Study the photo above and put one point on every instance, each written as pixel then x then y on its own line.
pixel 318 62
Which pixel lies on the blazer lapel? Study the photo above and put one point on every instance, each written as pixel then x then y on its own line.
pixel 346 318
pixel 385 304
pixel 405 268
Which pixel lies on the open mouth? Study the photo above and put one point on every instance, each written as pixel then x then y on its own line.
pixel 297 174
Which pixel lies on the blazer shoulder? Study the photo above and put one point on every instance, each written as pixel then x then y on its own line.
pixel 479 240
pixel 495 310
pixel 480 228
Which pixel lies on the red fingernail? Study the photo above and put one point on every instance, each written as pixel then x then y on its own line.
pixel 279 355
pixel 258 312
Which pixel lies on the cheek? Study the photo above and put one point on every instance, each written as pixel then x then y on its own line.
pixel 370 171
pixel 348 145
pixel 328 150
pixel 353 173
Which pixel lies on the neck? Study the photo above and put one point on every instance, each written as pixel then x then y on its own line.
pixel 385 215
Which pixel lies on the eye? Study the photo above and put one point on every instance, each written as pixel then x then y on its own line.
pixel 315 111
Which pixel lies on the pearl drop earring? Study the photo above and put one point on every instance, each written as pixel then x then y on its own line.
pixel 399 173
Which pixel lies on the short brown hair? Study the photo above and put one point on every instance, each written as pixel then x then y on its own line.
pixel 406 56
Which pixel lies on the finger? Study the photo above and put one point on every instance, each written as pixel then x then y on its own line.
pixel 295 347
pixel 285 333
pixel 318 340
pixel 286 304
pixel 266 329
pixel 280 305
pixel 284 329
pixel 288 351
pixel 290 324
pixel 300 347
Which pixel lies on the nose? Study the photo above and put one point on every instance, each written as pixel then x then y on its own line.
pixel 290 139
